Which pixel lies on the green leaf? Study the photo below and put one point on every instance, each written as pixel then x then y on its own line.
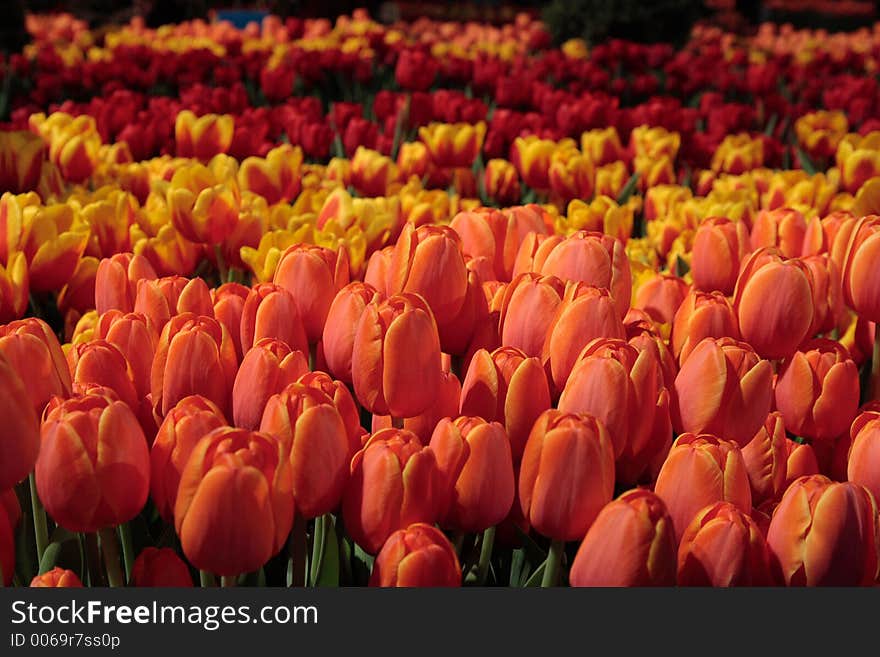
pixel 50 557
pixel 681 267
pixel 628 189
pixel 537 576
pixel 806 162
pixel 328 570
pixel 771 125
pixel 519 568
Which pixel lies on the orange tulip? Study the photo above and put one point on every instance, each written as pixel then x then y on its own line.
pixel 501 182
pixel 860 288
pixel 774 330
pixel 818 390
pixel 160 567
pixel 313 275
pixel 528 307
pixel 419 555
pixel 307 422
pixel 271 312
pixel 101 363
pixel 191 419
pixel 339 329
pixel 722 546
pixel 624 389
pixel 474 458
pixel 267 369
pixel 161 299
pixel 863 460
pixel 720 244
pixel 630 544
pixel 57 578
pixel 30 346
pixel 342 399
pixel 506 386
pixel 825 534
pixel 377 273
pixel 229 301
pixel 722 388
pixel 783 228
pixel 661 296
pixel 194 356
pixel 21 441
pixel 446 404
pixel 828 310
pixel 394 482
pixel 586 313
pixel 93 470
pixel 136 337
pixel 702 315
pixel 701 470
pixel 395 361
pixel 203 137
pixel 234 507
pixel 567 474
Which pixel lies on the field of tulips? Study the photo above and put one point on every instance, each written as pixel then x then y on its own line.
pixel 323 303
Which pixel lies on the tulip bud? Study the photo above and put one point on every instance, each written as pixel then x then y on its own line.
pixel 859 274
pixel 136 337
pixel 528 307
pixel 101 363
pixel 203 137
pixel 631 543
pixel 863 461
pixel 720 244
pixel 701 470
pixel 828 309
pixel 271 312
pixel 531 157
pixel 59 578
pixel 95 447
pixel 229 301
pixel 501 182
pixel 160 567
pixel 566 475
pixel 783 228
pixel 445 405
pixel 453 144
pixel 20 442
pixel 29 345
pixel 419 555
pixel 702 315
pixel 234 507
pixel 167 297
pixel 268 368
pixel 339 329
pixel 825 534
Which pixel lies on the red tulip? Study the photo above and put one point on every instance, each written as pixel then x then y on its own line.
pixel 160 567
pixel 20 442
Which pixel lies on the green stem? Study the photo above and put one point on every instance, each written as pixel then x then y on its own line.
pixel 313 357
pixel 228 581
pixel 221 263
pixel 206 579
pixel 41 532
pixel 127 549
pixel 319 546
pixel 110 550
pixel 551 566
pixel 875 364
pixel 458 543
pixel 485 555
pixel 298 546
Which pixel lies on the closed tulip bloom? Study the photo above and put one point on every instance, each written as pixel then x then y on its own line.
pixel 828 308
pixel 413 159
pixel 396 357
pixel 825 533
pixel 595 259
pixel 453 144
pixel 722 546
pixel 533 251
pixel 14 288
pixel 631 543
pixel 271 312
pixel 378 272
pixel 571 174
pixel 30 346
pixel 267 369
pixel 164 298
pixel 860 288
pixel 204 202
pixel 566 475
pixel 720 244
pixel 586 313
pixel 531 157
pixel 20 442
pixel 445 405
pixel 344 402
pixel 624 389
pixel 371 172
pixel 229 301
pixel 93 470
pixel 506 386
pixel 203 137
pixel 59 578
pixel 774 330
pixel 313 275
pixel 102 363
pixel 501 182
pixel 722 388
pixel 189 421
pixel 339 329
pixel 418 556
pixel 234 508
pixel 305 420
pixel 475 460
pixel 783 228
pixel 9 507
pixel 528 307
pixel 702 315
pixel 661 296
pixel 194 357
pixel 394 482
pixel 160 567
pixel 863 462
pixel 817 390
pixel 701 470
pixel 136 337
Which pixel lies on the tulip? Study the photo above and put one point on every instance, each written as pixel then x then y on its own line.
pixel 611 179
pixel 395 361
pixel 722 546
pixel 194 356
pixel 501 182
pixel 234 507
pixel 57 578
pixel 863 460
pixel 783 228
pixel 528 307
pixel 415 70
pixel 445 405
pixel 820 132
pixel 371 172
pixel 78 295
pixel 160 567
pixel 738 153
pixel 818 390
pixel 775 330
pixel 14 288
pixel 277 177
pixel 624 389
pixel 203 137
pixel 413 159
pixel 135 337
pixel 701 470
pixel 630 544
pixel 344 402
pixel 531 157
pixel 271 312
pixel 702 315
pixel 394 482
pixel 419 555
pixel 21 442
pixel 602 145
pixel 858 159
pixel 189 421
pixel 267 369
pixel 168 252
pixel 307 422
pixel 229 301
pixel 723 387
pixel 164 298
pixel 93 470
pixel 7 550
pixel 567 474
pixel 22 154
pixel 56 239
pixel 453 144
pixel 825 533
pixel 860 289
pixel 101 363
pixel 474 459
pixel 313 275
pixel 661 296
pixel 203 202
pixel 602 215
pixel 828 310
pixel 29 345
pixel 571 174
pixel 720 244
